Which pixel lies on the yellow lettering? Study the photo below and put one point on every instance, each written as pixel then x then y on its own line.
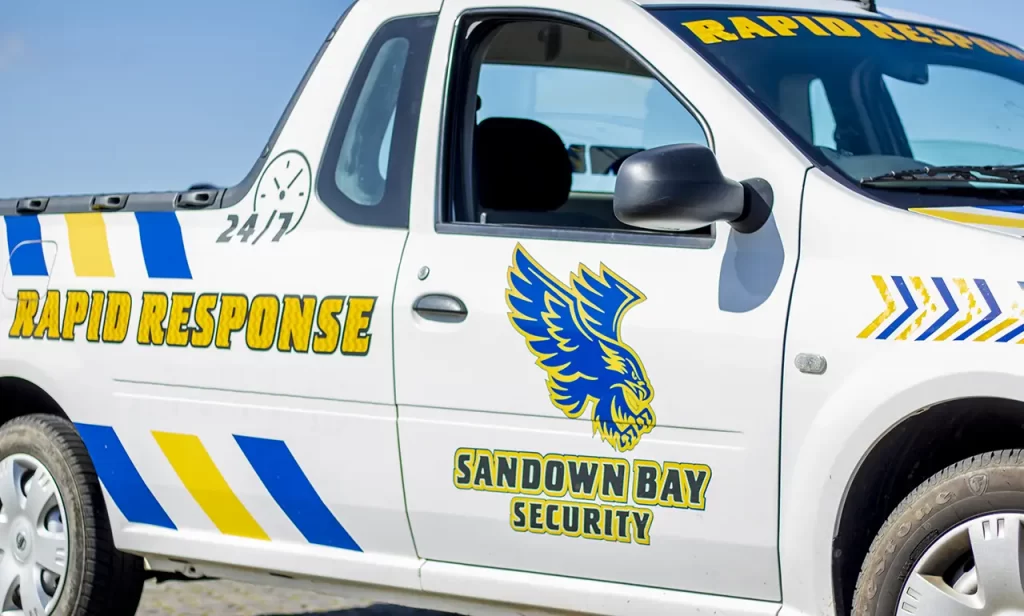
pixel 356 340
pixel 935 36
pixel 202 336
pixel 25 316
pixel 958 39
pixel 296 323
pixel 881 30
pixel 151 321
pixel 49 319
pixel 784 26
pixel 989 46
pixel 465 460
pixel 710 31
pixel 117 315
pixel 92 330
pixel 912 34
pixel 1013 51
pixel 75 312
pixel 838 27
pixel 326 340
pixel 811 25
pixel 262 326
pixel 231 318
pixel 646 481
pixel 177 324
pixel 698 477
pixel 483 471
pixel 748 28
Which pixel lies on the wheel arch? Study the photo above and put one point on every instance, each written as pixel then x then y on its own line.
pixel 824 448
pixel 920 445
pixel 19 396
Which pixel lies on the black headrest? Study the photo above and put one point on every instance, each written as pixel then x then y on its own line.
pixel 521 165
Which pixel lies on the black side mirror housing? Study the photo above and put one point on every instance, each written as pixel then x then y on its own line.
pixel 679 188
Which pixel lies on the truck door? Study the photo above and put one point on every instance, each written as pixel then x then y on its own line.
pixel 253 400
pixel 577 397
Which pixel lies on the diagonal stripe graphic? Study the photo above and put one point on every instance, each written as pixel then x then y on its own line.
pixel 90 249
pixel 26 259
pixel 288 485
pixel 965 291
pixel 890 307
pixel 207 485
pixel 993 311
pixel 163 248
pixel 908 299
pixel 951 309
pixel 926 305
pixel 120 477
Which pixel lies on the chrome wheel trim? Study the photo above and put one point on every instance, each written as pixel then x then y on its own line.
pixel 33 538
pixel 973 569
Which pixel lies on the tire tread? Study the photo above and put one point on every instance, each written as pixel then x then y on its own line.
pixel 113 580
pixel 1005 457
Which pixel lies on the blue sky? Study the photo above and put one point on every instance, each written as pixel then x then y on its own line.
pixel 129 95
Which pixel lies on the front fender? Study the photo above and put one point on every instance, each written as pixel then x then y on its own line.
pixel 76 387
pixel 822 466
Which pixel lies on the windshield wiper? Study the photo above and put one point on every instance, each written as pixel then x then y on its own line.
pixel 956 174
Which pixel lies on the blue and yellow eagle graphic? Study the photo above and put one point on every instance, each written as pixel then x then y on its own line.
pixel 574 332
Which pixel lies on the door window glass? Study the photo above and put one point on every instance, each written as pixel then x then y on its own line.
pixel 560 108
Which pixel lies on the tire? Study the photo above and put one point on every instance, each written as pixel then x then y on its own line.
pixel 944 530
pixel 98 579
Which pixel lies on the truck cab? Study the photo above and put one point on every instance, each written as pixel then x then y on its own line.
pixel 547 306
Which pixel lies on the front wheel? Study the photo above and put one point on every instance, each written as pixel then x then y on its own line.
pixel 57 555
pixel 953 547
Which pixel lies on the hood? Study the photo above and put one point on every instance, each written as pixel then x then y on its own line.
pixel 1007 219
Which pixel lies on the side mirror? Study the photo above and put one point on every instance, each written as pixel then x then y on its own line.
pixel 681 188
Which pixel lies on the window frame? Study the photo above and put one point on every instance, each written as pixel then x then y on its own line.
pixel 392 211
pixel 460 64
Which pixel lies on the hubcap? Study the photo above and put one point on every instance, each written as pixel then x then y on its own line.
pixel 33 539
pixel 974 569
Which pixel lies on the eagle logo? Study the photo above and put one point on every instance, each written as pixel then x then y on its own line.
pixel 574 332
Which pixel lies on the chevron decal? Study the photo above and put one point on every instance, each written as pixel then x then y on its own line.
pixel 943 309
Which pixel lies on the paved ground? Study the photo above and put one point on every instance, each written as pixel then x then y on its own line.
pixel 220 598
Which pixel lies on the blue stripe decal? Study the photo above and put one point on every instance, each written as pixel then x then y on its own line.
pixel 280 473
pixel 121 478
pixel 162 246
pixel 1011 209
pixel 911 308
pixel 993 310
pixel 951 308
pixel 1013 334
pixel 27 260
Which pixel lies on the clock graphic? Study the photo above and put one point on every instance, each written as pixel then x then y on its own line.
pixel 284 188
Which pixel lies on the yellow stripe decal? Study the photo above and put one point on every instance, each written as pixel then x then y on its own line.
pixel 972 219
pixel 197 471
pixel 995 330
pixel 90 250
pixel 926 307
pixel 972 305
pixel 890 307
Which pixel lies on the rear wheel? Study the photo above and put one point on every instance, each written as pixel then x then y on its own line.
pixel 953 547
pixel 57 555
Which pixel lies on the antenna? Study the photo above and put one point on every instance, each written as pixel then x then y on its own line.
pixel 869 5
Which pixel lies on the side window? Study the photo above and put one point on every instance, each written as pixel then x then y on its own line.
pixel 366 173
pixel 555 111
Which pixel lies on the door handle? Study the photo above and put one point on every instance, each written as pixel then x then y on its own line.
pixel 444 308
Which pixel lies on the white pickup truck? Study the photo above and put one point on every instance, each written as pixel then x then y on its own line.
pixel 549 306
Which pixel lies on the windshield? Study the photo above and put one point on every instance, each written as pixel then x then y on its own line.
pixel 870 96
